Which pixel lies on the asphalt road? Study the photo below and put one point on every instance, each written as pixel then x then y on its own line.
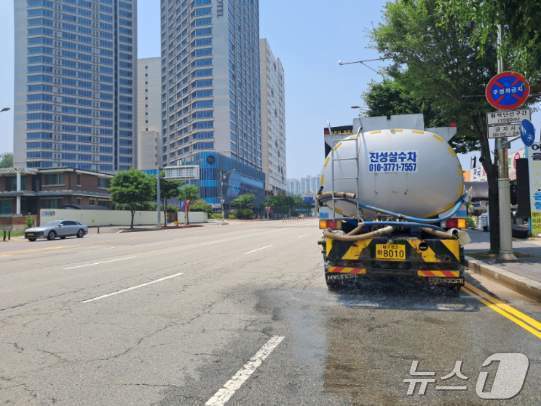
pixel 237 313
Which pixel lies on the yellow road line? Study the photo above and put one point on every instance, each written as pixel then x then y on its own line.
pixel 526 322
pixel 505 307
pixel 30 251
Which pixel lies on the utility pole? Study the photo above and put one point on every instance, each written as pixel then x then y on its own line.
pixel 223 176
pixel 504 198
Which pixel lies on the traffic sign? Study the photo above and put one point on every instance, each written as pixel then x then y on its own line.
pixel 527 132
pixel 507 91
pixel 504 131
pixel 497 118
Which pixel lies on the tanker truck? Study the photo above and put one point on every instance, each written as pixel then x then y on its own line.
pixel 385 199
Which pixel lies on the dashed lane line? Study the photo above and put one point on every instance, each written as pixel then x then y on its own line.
pixel 258 249
pixel 90 264
pixel 118 292
pixel 221 397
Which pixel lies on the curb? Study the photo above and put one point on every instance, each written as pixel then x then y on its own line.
pixel 520 284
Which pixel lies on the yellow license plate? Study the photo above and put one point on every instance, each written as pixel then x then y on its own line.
pixel 391 252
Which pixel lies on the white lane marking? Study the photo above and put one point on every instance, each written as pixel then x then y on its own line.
pixel 257 249
pixel 110 261
pixel 221 397
pixel 118 292
pixel 302 236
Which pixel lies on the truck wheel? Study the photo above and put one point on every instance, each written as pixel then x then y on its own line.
pixel 51 235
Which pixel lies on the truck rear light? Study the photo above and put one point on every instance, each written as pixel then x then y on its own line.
pixel 451 223
pixel 459 223
pixel 329 224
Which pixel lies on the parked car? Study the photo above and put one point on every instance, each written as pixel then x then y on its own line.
pixel 58 228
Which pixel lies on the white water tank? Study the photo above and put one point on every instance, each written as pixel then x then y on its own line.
pixel 412 172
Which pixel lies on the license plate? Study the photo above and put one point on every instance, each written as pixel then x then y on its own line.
pixel 391 252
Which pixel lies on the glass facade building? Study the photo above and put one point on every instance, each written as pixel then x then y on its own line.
pixel 210 81
pixel 75 84
pixel 223 177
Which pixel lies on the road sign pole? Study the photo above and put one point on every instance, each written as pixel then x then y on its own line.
pixel 504 188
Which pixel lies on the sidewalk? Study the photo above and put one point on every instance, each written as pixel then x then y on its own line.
pixel 522 275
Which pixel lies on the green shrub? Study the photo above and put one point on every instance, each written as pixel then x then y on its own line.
pixel 245 214
pixel 29 221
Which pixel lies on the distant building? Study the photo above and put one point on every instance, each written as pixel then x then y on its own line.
pixel 273 130
pixel 149 113
pixel 27 191
pixel 306 186
pixel 293 187
pixel 75 78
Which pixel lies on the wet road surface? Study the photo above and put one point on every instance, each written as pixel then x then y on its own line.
pixel 238 313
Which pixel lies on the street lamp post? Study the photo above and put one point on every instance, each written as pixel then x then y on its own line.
pixel 364 62
pixel 158 199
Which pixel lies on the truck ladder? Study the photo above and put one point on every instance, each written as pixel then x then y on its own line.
pixel 356 178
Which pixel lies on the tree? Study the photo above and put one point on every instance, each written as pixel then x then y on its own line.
pixel 132 190
pixel 168 190
pixel 286 205
pixel 6 160
pixel 389 97
pixel 244 206
pixel 444 52
pixel 188 194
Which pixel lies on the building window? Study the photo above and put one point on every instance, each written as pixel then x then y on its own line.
pixel 53 179
pixel 104 183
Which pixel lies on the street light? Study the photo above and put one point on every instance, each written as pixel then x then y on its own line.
pixel 360 61
pixel 5 109
pixel 364 62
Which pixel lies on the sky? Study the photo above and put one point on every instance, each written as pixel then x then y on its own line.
pixel 309 36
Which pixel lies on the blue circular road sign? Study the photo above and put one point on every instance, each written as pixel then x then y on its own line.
pixel 527 132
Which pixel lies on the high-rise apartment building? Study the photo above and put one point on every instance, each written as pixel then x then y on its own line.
pixel 308 185
pixel 149 113
pixel 75 78
pixel 211 89
pixel 273 117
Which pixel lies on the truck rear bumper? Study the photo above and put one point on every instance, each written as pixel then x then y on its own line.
pixel 453 277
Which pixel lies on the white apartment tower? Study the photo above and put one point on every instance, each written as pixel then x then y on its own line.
pixel 273 130
pixel 210 80
pixel 149 113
